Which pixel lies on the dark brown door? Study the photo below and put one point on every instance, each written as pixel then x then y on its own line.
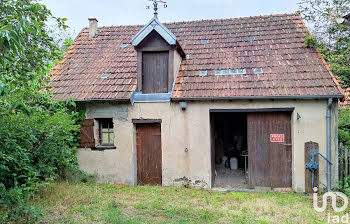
pixel 155 72
pixel 270 160
pixel 149 154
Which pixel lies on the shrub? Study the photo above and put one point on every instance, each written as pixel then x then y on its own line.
pixel 310 42
pixel 344 185
pixel 344 127
pixel 38 139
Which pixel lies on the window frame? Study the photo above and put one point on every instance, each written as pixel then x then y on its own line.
pixel 110 131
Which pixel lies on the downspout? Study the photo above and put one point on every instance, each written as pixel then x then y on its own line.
pixel 328 116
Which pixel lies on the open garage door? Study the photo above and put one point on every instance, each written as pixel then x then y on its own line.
pixel 270 149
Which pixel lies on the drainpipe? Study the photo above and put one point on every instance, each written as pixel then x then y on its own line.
pixel 328 116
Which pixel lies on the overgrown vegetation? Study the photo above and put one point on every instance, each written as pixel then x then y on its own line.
pixel 344 127
pixel 329 37
pixel 37 135
pixel 333 42
pixel 107 203
pixel 344 137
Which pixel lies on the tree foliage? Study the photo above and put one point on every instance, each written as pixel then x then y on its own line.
pixel 25 45
pixel 37 135
pixel 333 40
pixel 344 127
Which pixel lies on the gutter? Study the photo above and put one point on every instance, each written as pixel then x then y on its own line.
pixel 329 150
pixel 103 100
pixel 260 97
pixel 220 98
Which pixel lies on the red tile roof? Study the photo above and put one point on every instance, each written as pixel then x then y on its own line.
pixel 273 43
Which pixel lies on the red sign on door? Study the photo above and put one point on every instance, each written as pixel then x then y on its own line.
pixel 277 137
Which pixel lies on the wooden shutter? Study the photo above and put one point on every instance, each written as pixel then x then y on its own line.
pixel 86 134
pixel 155 72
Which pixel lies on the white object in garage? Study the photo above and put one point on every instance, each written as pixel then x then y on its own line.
pixel 224 158
pixel 234 163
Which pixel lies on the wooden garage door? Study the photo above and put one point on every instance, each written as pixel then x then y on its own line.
pixel 270 162
pixel 149 154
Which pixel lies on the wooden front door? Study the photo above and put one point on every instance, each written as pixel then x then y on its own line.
pixel 270 160
pixel 149 154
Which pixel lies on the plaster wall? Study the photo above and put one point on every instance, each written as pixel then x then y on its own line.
pixel 186 139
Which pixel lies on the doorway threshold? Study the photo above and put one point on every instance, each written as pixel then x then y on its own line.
pixel 252 190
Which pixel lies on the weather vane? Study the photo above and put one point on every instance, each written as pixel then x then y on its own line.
pixel 155 5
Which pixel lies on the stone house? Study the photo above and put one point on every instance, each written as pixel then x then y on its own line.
pixel 229 102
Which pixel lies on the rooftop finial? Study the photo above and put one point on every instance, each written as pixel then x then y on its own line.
pixel 155 5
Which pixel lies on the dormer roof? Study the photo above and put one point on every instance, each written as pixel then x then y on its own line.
pixel 157 26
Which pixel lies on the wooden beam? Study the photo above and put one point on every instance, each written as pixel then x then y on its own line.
pixel 139 71
pixel 171 70
pixel 146 121
pixel 288 109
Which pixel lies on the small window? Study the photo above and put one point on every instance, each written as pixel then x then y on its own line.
pixel 251 38
pixel 203 72
pixel 106 132
pixel 122 46
pixel 105 75
pixel 258 71
pixel 231 72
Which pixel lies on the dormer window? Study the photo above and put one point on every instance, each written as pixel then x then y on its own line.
pixel 155 64
pixel 159 56
pixel 155 72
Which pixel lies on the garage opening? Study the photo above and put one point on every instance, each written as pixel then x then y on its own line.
pixel 251 148
pixel 229 149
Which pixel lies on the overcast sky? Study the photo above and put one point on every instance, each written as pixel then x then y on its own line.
pixel 123 12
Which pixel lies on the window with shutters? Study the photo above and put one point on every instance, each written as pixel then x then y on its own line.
pixel 86 135
pixel 106 132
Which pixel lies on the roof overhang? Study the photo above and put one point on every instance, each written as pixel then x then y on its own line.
pixel 102 100
pixel 310 97
pixel 306 97
pixel 154 24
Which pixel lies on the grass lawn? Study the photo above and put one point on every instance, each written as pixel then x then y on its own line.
pixel 107 203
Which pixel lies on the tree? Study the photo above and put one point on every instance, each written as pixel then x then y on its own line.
pixel 37 135
pixel 25 46
pixel 333 40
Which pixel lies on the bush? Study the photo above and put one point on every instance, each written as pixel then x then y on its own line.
pixel 38 139
pixel 344 127
pixel 344 186
pixel 310 41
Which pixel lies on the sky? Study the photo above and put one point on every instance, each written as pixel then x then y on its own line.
pixel 131 12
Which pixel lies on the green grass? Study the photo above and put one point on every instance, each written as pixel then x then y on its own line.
pixel 107 203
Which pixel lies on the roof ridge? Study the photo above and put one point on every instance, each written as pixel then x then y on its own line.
pixel 207 20
pixel 236 18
